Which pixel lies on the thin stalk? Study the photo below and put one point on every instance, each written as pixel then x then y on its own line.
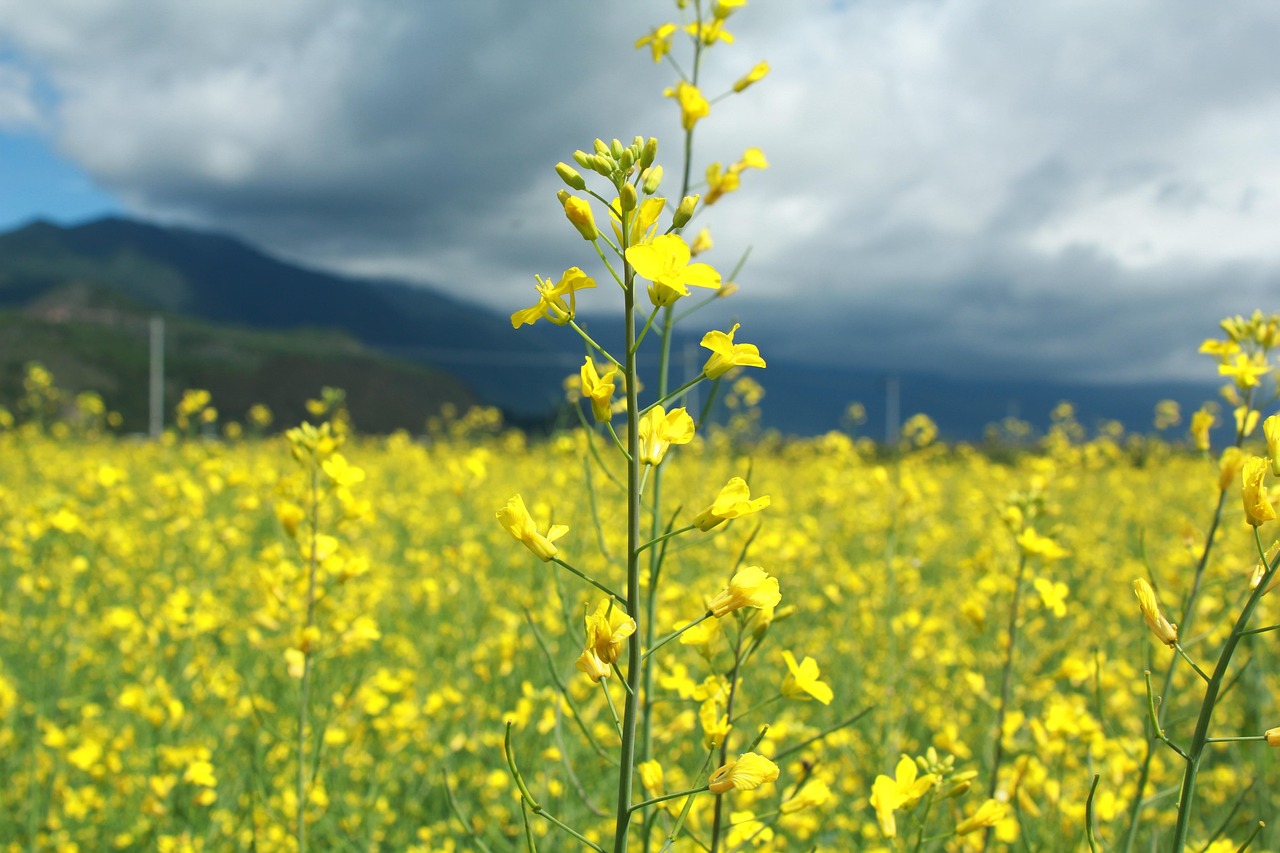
pixel 304 697
pixel 635 664
pixel 1006 681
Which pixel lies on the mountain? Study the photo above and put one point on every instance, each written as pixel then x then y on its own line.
pixel 243 323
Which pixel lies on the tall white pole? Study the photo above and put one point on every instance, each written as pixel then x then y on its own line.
pixel 156 426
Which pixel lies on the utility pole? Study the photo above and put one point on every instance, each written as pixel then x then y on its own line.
pixel 156 425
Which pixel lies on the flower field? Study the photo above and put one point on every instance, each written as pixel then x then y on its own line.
pixel 154 629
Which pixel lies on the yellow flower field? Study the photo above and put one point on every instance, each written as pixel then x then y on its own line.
pixel 153 633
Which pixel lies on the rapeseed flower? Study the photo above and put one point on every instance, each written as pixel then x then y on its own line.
pixel 755 75
pixel 802 681
pixel 693 105
pixel 658 40
pixel 551 299
pixel 747 773
pixel 516 519
pixel 751 587
pixel 988 814
pixel 598 389
pixel 1258 508
pixel 903 789
pixel 726 355
pixel 1165 631
pixel 734 501
pixel 607 629
pixel 659 429
pixel 1271 431
pixel 578 212
pixel 1201 423
pixel 665 262
pixel 1229 465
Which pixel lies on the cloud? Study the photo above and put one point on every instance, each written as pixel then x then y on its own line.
pixel 1072 186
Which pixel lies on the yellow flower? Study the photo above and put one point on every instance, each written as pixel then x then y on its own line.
pixel 1229 465
pixel 1201 423
pixel 724 8
pixel 607 629
pixel 1165 631
pixel 755 75
pixel 1271 429
pixel 665 262
pixel 693 105
pixel 516 519
pixel 1257 506
pixel 734 501
pixel 715 725
pixel 598 389
pixel 751 587
pixel 551 299
pixel 815 793
pixel 888 795
pixel 659 429
pixel 701 243
pixel 1033 544
pixel 988 814
pixel 659 40
pixel 1245 370
pixel 749 772
pixel 1246 420
pixel 578 212
pixel 710 32
pixel 802 680
pixel 651 777
pixel 1273 737
pixel 720 181
pixel 726 355
pixel 1053 595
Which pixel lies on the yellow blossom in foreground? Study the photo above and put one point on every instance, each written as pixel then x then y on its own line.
pixel 598 389
pixel 988 814
pixel 734 501
pixel 578 212
pixel 802 680
pixel 751 587
pixel 1273 737
pixel 607 629
pixel 890 794
pixel 726 355
pixel 815 793
pixel 1035 545
pixel 659 429
pixel 665 262
pixel 1165 631
pixel 516 519
pixel 749 772
pixel 1245 371
pixel 1258 508
pixel 1271 429
pixel 551 299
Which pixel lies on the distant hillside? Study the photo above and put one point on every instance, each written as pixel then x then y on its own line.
pixel 142 269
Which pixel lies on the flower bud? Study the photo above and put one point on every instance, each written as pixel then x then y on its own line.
pixel 602 148
pixel 582 158
pixel 652 178
pixel 627 197
pixel 570 176
pixel 1273 737
pixel 685 211
pixel 649 153
pixel 578 211
pixel 627 159
pixel 616 148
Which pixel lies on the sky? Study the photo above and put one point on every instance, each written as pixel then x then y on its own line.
pixel 1074 189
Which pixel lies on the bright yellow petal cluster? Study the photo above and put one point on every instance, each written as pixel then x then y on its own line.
pixel 1271 430
pixel 659 429
pixel 665 262
pixel 658 40
pixel 1201 423
pixel 598 389
pixel 693 105
pixel 1258 509
pixel 721 180
pixel 751 587
pixel 607 629
pixel 988 814
pixel 749 772
pixel 578 212
pixel 1165 631
pixel 551 299
pixel 1244 370
pixel 726 355
pixel 890 794
pixel 755 75
pixel 803 682
pixel 1035 545
pixel 734 501
pixel 516 519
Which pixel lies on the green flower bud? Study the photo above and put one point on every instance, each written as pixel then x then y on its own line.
pixel 685 211
pixel 601 147
pixel 582 158
pixel 649 153
pixel 570 176
pixel 627 159
pixel 616 149
pixel 652 178
pixel 627 197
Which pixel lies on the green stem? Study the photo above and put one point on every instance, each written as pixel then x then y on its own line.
pixel 304 698
pixel 590 580
pixel 674 796
pixel 665 536
pixel 1006 681
pixel 677 633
